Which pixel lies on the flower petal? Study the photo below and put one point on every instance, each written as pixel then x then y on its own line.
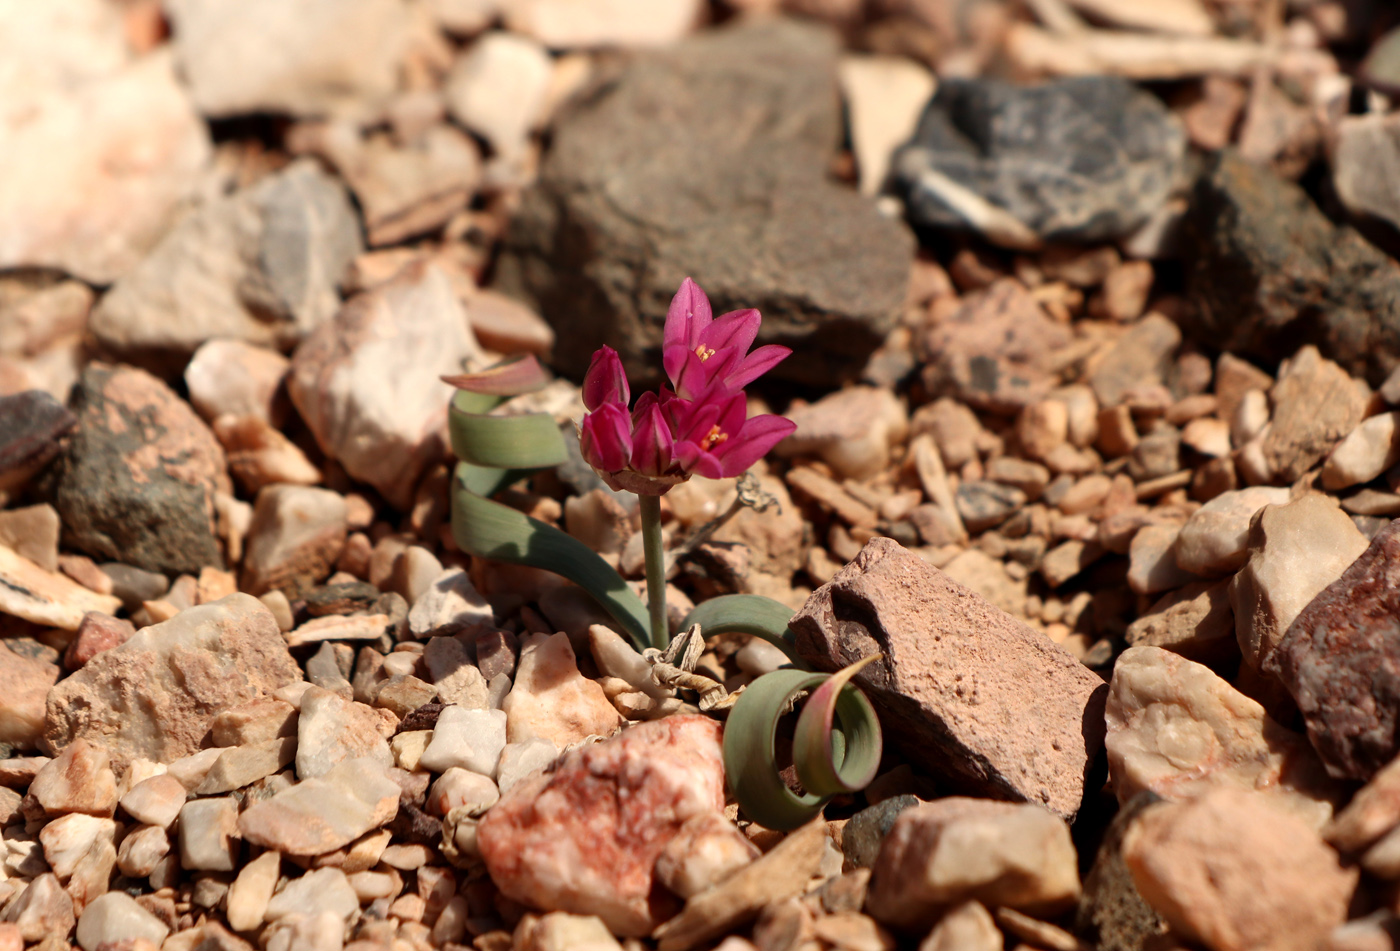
pixel 756 364
pixel 696 461
pixel 737 329
pixel 605 381
pixel 605 437
pixel 687 317
pixel 651 443
pixel 751 443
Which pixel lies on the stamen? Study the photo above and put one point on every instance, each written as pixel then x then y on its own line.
pixel 704 353
pixel 714 437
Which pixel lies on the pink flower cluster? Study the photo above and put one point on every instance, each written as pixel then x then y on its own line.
pixel 699 426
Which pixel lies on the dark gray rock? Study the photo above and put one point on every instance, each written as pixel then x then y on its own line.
pixel 1269 273
pixel 1340 659
pixel 1112 914
pixel 134 585
pixel 862 835
pixel 32 425
pixel 709 160
pixel 985 504
pixel 1082 159
pixel 138 479
pixel 323 669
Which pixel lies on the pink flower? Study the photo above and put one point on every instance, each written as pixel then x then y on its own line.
pixel 698 349
pixel 703 427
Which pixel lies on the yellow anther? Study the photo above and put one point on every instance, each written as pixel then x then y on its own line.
pixel 704 353
pixel 714 437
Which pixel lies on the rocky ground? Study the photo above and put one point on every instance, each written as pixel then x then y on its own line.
pixel 1096 316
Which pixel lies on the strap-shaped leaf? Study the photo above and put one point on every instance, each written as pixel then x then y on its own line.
pixel 747 614
pixel 528 441
pixel 491 530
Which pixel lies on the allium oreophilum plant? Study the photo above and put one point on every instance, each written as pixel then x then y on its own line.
pixel 698 425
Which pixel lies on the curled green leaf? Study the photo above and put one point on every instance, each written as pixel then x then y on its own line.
pixel 829 761
pixel 825 769
pixel 747 614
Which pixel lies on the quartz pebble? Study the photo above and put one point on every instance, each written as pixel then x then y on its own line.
pixel 551 699
pixel 450 605
pixel 1370 449
pixel 325 813
pixel 966 927
pixel 586 837
pixel 331 730
pixel 79 779
pixel 498 89
pixel 1215 539
pixel 251 891
pixel 471 739
pixel 318 891
pixel 142 851
pixel 155 801
pixel 117 917
pixel 706 849
pixel 296 536
pixel 24 689
pixel 209 834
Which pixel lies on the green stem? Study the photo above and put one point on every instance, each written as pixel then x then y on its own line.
pixel 656 569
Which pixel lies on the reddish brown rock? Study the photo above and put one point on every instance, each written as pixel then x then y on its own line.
pixel 584 838
pixel 97 632
pixel 1340 659
pixel 1235 874
pixel 24 686
pixel 157 695
pixel 139 479
pixel 957 679
pixel 994 351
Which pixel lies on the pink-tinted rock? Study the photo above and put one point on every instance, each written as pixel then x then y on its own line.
pixel 957 679
pixel 156 695
pixel 551 699
pixel 296 536
pixel 1316 405
pixel 1340 659
pixel 24 687
pixel 585 837
pixel 235 377
pixel 97 632
pixel 79 779
pixel 367 383
pixel 1233 873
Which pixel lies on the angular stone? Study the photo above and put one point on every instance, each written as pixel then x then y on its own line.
pixel 707 849
pixel 995 351
pixel 1338 660
pixel 453 674
pixel 46 597
pixel 142 851
pixel 1370 449
pixel 852 430
pixel 155 801
pixel 781 874
pixel 331 730
pixel 80 779
pixel 32 425
pixel 139 479
pixel 24 691
pixel 256 721
pixel 316 892
pixel 96 213
pixel 366 382
pixel 983 504
pixel 304 58
pixel 96 633
pixel 42 909
pixel 1271 263
pixel 1233 873
pixel 1195 621
pixel 459 788
pixel 1296 550
pixel 552 700
pixel 243 765
pixel 1142 356
pixel 259 266
pixel 156 695
pixel 1153 566
pixel 296 536
pixel 32 532
pixel 466 738
pixel 251 891
pixel 1316 404
pixel 948 698
pixel 1176 728
pixel 966 927
pixel 766 192
pixel 209 834
pixel 884 96
pixel 586 836
pixel 68 839
pixel 942 853
pixel 259 455
pixel 234 378
pixel 322 814
pixel 1215 539
pixel 116 917
pixel 498 89
pixel 862 836
pixel 1081 159
pixel 450 605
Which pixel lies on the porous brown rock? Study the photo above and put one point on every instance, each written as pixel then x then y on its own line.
pixel 1340 659
pixel 157 695
pixel 957 678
